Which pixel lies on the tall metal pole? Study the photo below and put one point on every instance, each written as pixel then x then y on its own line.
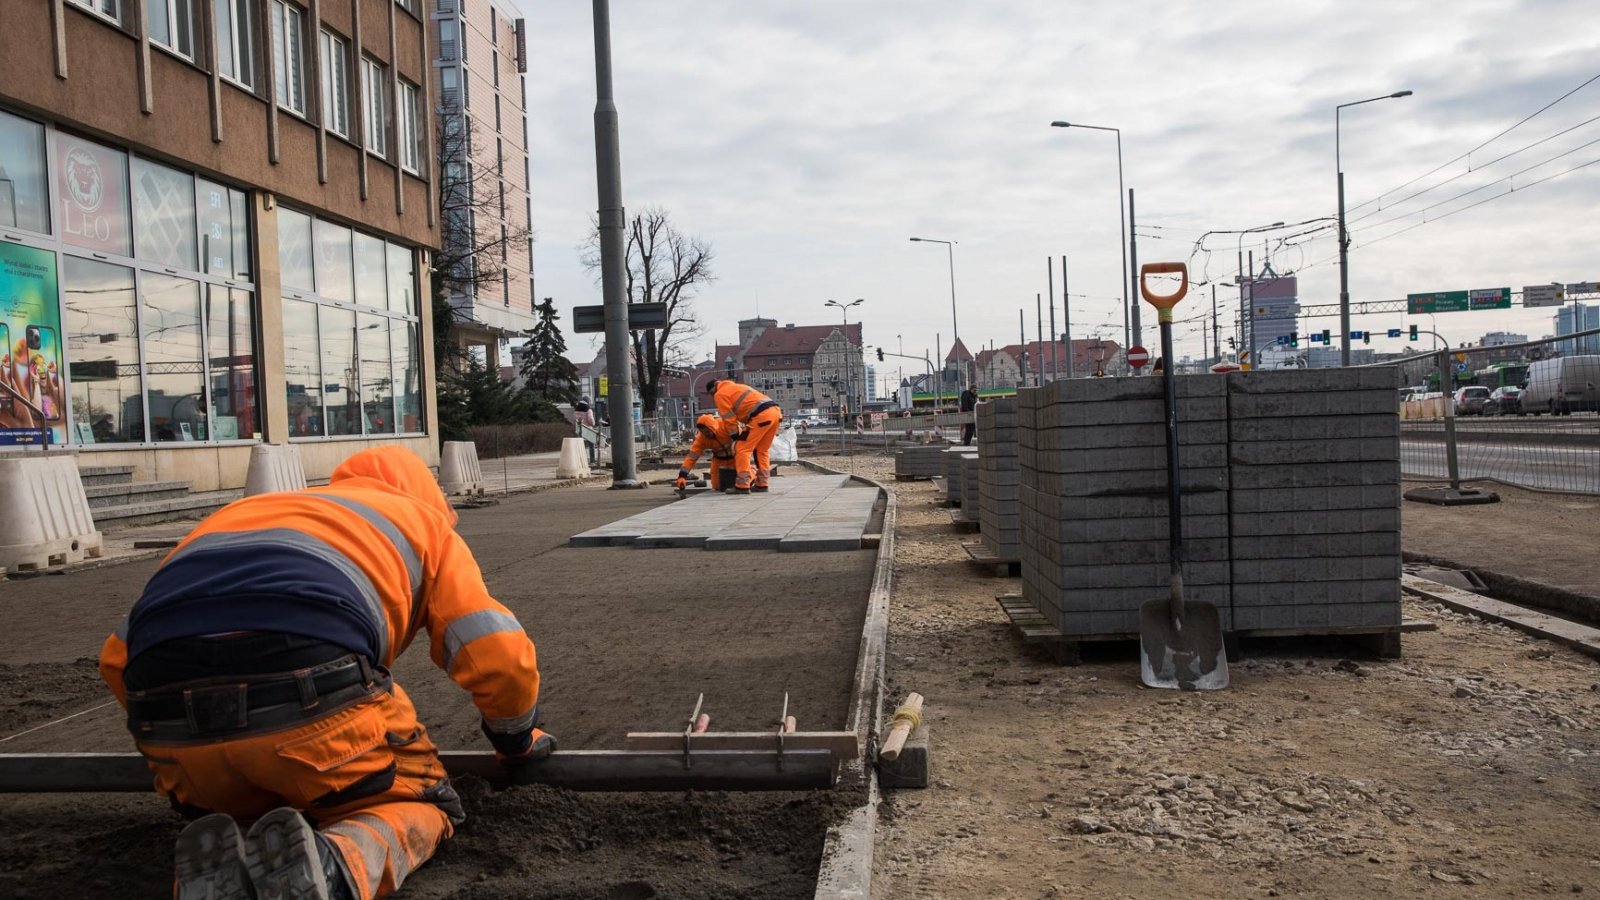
pixel 1038 332
pixel 1022 335
pixel 1066 314
pixel 1216 331
pixel 1133 256
pixel 955 330
pixel 613 255
pixel 938 381
pixel 1050 276
pixel 1344 268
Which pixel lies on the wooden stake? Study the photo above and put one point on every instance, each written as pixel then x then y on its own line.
pixel 906 719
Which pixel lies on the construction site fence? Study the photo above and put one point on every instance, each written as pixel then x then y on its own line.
pixel 1526 414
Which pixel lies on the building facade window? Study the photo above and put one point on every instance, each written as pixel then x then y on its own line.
pixel 109 9
pixel 171 24
pixel 234 22
pixel 449 87
pixel 447 39
pixel 138 332
pixel 336 84
pixel 288 56
pixel 375 106
pixel 409 127
pixel 350 353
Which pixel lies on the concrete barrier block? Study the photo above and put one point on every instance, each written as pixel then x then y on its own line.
pixel 459 472
pixel 1315 428
pixel 1299 453
pixel 1316 499
pixel 1344 474
pixel 1311 522
pixel 1349 568
pixel 274 468
pixel 1301 546
pixel 574 461
pixel 44 514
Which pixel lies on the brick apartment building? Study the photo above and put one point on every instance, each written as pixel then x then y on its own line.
pixel 216 222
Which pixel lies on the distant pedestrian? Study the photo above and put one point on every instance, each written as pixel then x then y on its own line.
pixel 584 413
pixel 969 404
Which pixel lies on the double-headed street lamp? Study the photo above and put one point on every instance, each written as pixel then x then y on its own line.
pixel 1344 236
pixel 949 246
pixel 1123 238
pixel 845 401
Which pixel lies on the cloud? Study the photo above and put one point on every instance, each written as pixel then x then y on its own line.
pixel 808 141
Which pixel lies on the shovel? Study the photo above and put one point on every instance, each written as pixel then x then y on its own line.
pixel 1180 641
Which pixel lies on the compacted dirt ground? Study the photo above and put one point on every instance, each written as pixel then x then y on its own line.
pixel 1469 768
pixel 627 639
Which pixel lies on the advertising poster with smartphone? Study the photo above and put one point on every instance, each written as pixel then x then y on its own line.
pixel 33 396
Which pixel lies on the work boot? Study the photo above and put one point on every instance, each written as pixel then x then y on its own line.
pixel 210 861
pixel 281 852
pixel 759 489
pixel 741 491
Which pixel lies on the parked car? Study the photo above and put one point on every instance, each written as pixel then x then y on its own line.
pixel 1470 400
pixel 1504 401
pixel 1563 385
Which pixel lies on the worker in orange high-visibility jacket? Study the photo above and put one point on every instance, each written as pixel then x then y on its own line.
pixel 255 672
pixel 758 413
pixel 720 438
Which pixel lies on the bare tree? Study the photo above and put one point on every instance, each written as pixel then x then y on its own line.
pixel 472 257
pixel 664 266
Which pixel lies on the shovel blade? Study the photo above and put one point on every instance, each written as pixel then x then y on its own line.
pixel 1187 656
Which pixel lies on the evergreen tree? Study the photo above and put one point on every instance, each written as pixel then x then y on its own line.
pixel 474 395
pixel 547 373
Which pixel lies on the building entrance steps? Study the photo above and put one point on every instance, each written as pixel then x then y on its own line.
pixel 801 513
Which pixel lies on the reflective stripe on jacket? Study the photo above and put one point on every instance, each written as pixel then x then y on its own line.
pixel 381 562
pixel 738 401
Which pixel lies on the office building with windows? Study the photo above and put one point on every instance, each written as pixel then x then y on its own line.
pixel 1576 317
pixel 480 55
pixel 217 221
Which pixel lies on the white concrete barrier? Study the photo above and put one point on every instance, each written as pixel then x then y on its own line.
pixel 459 472
pixel 574 462
pixel 273 468
pixel 44 514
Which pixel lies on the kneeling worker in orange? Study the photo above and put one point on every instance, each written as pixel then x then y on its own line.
pixel 255 672
pixel 761 415
pixel 720 438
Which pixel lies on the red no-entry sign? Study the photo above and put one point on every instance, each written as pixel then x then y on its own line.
pixel 1138 356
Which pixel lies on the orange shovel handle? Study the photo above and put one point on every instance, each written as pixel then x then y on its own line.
pixel 1163 302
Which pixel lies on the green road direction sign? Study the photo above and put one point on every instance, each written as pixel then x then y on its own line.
pixel 1437 302
pixel 1489 298
pixel 1458 301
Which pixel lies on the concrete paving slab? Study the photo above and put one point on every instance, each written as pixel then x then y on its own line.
pixel 803 513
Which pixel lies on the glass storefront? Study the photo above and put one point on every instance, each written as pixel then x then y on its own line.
pixel 148 268
pixel 350 331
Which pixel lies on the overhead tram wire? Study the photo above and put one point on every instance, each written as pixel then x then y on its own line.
pixel 1530 117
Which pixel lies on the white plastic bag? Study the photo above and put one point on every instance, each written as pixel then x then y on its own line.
pixel 783 446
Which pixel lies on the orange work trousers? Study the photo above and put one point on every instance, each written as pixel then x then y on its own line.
pixel 338 771
pixel 756 448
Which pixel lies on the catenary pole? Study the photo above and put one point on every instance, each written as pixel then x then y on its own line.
pixel 613 255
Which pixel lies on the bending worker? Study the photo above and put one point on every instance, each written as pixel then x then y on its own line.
pixel 719 437
pixel 255 672
pixel 760 415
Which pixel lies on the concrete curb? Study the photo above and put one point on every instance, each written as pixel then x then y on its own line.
pixel 846 870
pixel 1581 638
pixel 1521 590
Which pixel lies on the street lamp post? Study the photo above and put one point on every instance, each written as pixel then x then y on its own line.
pixel 1344 236
pixel 955 331
pixel 844 403
pixel 1123 238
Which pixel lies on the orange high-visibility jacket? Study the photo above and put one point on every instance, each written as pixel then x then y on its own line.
pixel 384 537
pixel 738 401
pixel 720 444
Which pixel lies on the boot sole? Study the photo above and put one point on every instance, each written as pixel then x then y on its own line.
pixel 281 853
pixel 210 861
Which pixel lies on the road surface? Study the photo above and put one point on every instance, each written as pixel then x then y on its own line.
pixel 1538 466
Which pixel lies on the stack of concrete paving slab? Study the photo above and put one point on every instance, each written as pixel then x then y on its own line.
pixel 919 462
pixel 971 490
pixel 953 471
pixel 999 509
pixel 1092 458
pixel 1315 498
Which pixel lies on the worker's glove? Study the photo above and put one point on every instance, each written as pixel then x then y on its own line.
pixel 513 750
pixel 741 433
pixel 681 483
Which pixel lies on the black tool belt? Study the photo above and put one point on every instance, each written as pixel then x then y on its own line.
pixel 231 706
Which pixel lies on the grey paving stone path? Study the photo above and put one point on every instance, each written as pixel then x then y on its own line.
pixel 802 513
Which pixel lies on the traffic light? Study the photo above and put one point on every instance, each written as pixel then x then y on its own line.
pixel 1327 336
pixel 1366 337
pixel 1294 338
pixel 880 354
pixel 1413 332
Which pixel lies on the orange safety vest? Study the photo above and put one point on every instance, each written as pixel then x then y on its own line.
pixel 737 401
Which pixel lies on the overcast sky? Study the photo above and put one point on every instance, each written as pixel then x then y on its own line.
pixel 807 141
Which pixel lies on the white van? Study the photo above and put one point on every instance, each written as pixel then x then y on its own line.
pixel 1562 386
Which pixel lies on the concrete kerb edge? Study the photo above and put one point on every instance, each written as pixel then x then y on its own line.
pixel 1521 590
pixel 846 870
